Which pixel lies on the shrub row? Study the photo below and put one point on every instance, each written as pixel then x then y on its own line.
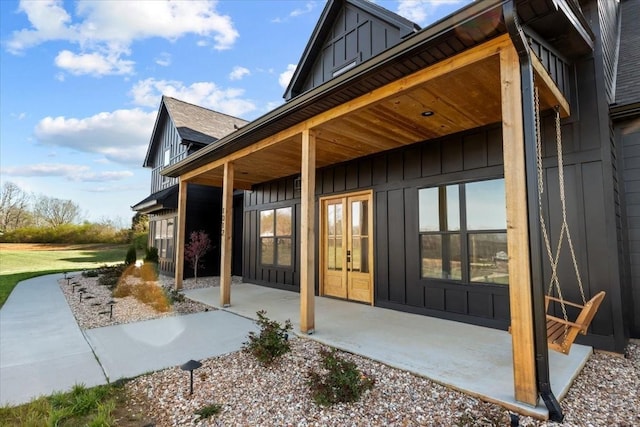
pixel 75 234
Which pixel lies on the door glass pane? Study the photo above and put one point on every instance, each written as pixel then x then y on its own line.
pixel 284 252
pixel 266 223
pixel 488 258
pixel 364 248
pixel 356 214
pixel 356 254
pixel 338 220
pixel 331 220
pixel 486 206
pixel 338 254
pixel 331 253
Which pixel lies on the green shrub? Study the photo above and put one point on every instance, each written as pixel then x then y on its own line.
pixel 67 233
pixel 209 410
pixel 152 255
pixel 272 341
pixel 341 380
pixel 91 273
pixel 110 275
pixel 139 240
pixel 131 256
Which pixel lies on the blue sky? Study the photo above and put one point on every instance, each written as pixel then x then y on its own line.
pixel 81 81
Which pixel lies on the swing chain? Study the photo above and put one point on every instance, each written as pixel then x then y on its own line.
pixel 554 282
pixel 553 260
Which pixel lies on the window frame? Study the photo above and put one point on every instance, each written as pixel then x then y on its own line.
pixel 463 232
pixel 276 237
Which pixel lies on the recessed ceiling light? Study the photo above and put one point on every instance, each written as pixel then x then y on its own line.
pixel 427 113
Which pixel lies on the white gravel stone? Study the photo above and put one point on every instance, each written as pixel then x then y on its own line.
pixel 606 393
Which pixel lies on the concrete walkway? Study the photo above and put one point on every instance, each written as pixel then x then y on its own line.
pixel 43 350
pixel 41 347
pixel 473 359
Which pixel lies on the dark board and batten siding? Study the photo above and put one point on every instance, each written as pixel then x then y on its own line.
pixel 395 177
pixel 169 139
pixel 356 36
pixel 630 142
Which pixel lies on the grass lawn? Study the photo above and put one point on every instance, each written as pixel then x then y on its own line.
pixel 23 261
pixel 81 406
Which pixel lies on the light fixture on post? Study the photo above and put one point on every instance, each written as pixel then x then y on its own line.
pixel 190 366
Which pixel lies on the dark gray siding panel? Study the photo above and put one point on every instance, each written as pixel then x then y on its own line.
pixel 609 25
pixel 356 36
pixel 395 177
pixel 629 140
pixel 396 247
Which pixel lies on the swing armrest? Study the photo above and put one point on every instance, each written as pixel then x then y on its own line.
pixel 564 322
pixel 573 304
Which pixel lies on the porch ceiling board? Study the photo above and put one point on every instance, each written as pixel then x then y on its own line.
pixel 463 92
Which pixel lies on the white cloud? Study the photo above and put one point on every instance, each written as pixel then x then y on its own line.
pixel 95 63
pixel 121 136
pixel 206 94
pixel 421 11
pixel 308 8
pixel 238 73
pixel 106 29
pixel 18 116
pixel 68 171
pixel 164 59
pixel 285 76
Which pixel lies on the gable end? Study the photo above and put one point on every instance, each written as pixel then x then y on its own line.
pixel 349 32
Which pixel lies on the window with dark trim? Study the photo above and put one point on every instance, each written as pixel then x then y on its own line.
pixel 463 234
pixel 163 236
pixel 275 237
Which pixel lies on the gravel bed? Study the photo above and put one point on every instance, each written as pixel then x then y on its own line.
pixel 94 311
pixel 605 394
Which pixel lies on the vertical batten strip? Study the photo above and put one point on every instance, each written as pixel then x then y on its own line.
pixel 180 237
pixel 520 300
pixel 307 236
pixel 227 235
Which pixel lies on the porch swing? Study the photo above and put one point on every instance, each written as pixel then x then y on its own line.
pixel 561 332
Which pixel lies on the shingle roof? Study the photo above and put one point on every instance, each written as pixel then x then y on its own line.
pixel 628 77
pixel 198 124
pixel 163 199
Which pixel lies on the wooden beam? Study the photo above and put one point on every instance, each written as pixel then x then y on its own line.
pixel 552 94
pixel 468 57
pixel 307 233
pixel 520 299
pixel 226 243
pixel 180 237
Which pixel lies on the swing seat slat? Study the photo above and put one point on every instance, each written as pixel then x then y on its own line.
pixel 562 333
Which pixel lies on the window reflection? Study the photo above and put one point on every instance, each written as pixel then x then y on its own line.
pixel 445 237
pixel 276 237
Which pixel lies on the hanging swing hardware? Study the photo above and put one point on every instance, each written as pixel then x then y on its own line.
pixel 561 332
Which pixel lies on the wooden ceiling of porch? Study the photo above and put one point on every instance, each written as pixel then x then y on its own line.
pixel 462 99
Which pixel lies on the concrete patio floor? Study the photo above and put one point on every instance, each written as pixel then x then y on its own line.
pixel 472 359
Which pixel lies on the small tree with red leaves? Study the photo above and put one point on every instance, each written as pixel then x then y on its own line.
pixel 199 244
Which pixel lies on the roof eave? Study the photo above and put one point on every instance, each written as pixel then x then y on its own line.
pixel 426 35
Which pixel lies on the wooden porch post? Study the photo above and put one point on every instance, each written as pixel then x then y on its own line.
pixel 180 237
pixel 522 326
pixel 307 233
pixel 226 238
